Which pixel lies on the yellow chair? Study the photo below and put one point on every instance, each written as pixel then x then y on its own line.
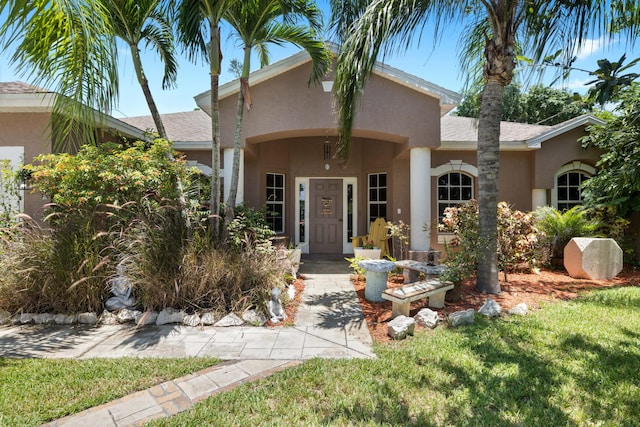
pixel 378 236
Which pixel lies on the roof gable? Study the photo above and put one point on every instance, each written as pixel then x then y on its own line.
pixel 448 98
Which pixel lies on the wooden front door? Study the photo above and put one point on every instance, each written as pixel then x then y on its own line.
pixel 325 232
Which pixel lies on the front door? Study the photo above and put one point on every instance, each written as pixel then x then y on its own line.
pixel 325 232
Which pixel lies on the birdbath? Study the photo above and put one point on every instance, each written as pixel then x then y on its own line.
pixel 376 272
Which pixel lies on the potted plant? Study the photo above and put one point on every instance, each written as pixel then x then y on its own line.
pixel 367 251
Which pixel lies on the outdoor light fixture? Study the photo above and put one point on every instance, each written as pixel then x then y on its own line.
pixel 327 148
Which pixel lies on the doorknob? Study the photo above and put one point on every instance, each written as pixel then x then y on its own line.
pixel 340 219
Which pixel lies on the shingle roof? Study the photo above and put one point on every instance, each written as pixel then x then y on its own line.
pixel 20 87
pixel 189 126
pixel 465 129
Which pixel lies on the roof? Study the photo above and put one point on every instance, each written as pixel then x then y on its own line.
pixel 20 97
pixel 461 133
pixel 448 98
pixel 20 87
pixel 190 129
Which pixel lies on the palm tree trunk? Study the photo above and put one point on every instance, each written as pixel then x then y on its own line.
pixel 235 174
pixel 214 61
pixel 144 84
pixel 488 168
pixel 157 119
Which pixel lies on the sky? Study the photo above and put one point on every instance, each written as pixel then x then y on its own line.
pixel 439 65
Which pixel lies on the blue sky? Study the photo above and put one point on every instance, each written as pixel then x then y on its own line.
pixel 439 65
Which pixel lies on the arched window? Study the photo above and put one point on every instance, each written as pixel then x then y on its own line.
pixel 569 192
pixel 568 180
pixel 454 188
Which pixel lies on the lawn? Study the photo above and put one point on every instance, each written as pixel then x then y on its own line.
pixel 35 391
pixel 571 363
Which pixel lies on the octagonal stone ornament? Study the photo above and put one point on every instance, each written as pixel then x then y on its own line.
pixel 593 258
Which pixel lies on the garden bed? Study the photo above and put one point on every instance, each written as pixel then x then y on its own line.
pixel 532 289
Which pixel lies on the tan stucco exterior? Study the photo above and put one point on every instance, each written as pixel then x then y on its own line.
pixel 399 127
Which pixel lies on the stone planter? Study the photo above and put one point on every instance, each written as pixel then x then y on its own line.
pixel 377 273
pixel 367 253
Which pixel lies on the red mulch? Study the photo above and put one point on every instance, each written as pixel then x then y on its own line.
pixel 531 289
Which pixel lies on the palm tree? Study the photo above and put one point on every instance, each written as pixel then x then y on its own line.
pixel 495 30
pixel 64 45
pixel 137 21
pixel 257 23
pixel 199 31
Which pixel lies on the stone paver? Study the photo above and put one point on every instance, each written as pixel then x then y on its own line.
pixel 329 324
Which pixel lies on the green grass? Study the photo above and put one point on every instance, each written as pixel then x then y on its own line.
pixel 35 391
pixel 573 363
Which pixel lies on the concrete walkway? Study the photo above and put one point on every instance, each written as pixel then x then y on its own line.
pixel 329 324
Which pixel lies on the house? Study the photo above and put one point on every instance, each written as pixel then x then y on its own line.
pixel 25 131
pixel 409 159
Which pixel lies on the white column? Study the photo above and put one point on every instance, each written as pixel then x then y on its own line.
pixel 226 175
pixel 538 198
pixel 420 196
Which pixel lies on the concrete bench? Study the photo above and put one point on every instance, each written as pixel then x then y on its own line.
pixel 411 269
pixel 402 297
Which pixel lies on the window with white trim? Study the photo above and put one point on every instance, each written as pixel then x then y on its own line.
pixel 454 188
pixel 275 201
pixel 377 196
pixel 568 186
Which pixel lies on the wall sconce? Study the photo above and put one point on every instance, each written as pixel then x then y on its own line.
pixel 327 85
pixel 327 149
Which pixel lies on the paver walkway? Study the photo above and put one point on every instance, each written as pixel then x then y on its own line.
pixel 329 324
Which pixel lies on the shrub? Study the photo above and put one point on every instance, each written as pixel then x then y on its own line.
pixel 560 227
pixel 208 277
pixel 109 174
pixel 400 235
pixel 115 205
pixel 517 239
pixel 249 230
pixel 59 270
pixel 11 197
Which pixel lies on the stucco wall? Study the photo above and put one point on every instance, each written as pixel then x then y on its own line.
pixel 284 107
pixel 514 180
pixel 31 131
pixel 557 152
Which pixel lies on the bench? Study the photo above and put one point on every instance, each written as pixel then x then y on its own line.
pixel 402 297
pixel 411 269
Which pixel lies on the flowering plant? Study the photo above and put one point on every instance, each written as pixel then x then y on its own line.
pixel 369 245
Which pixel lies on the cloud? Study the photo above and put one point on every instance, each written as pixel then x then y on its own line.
pixel 574 85
pixel 592 46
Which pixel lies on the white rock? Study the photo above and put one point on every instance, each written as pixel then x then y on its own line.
pixel 125 315
pixel 170 315
pixel 427 318
pixel 520 309
pixel 65 319
pixel 210 318
pixel 254 318
pixel 462 317
pixel 43 319
pixel 191 320
pixel 23 318
pixel 146 318
pixel 490 308
pixel 5 317
pixel 230 319
pixel 108 318
pixel 87 318
pixel 400 327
